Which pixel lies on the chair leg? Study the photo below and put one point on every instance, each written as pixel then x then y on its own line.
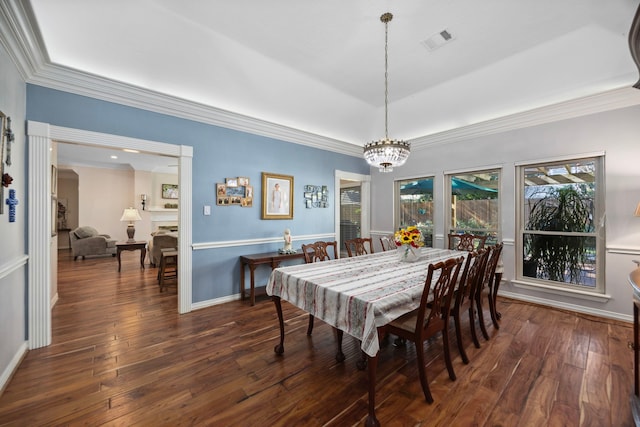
pixel 492 310
pixel 361 363
pixel 447 352
pixel 483 327
pixel 495 314
pixel 422 371
pixel 472 326
pixel 456 321
pixel 310 327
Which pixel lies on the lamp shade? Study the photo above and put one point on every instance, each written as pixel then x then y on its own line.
pixel 130 214
pixel 637 210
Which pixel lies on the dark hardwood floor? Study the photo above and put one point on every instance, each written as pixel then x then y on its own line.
pixel 122 356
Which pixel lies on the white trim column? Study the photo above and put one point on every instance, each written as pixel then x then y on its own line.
pixel 39 235
pixel 184 229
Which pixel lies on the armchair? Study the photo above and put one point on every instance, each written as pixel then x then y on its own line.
pixel 86 241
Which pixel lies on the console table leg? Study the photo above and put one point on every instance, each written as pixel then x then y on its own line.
pixel 252 291
pixel 242 280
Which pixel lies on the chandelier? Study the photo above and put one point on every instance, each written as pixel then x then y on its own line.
pixel 386 153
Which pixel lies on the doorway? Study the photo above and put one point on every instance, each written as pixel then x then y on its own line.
pixel 41 137
pixel 353 195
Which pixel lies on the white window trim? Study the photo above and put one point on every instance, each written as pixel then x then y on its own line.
pixel 599 292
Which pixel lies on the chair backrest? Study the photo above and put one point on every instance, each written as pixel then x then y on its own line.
pixel 387 243
pixel 317 251
pixel 490 269
pixel 356 247
pixel 472 273
pixel 435 302
pixel 466 242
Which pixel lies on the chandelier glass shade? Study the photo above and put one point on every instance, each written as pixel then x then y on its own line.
pixel 385 154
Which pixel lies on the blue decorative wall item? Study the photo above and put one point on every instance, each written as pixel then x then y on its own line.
pixel 12 202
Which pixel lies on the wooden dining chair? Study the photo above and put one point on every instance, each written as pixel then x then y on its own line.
pixel 466 242
pixel 488 288
pixel 358 246
pixel 387 243
pixel 431 317
pixel 464 297
pixel 317 252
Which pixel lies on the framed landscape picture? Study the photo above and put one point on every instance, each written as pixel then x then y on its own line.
pixel 277 196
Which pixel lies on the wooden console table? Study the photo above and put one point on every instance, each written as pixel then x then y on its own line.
pixel 272 258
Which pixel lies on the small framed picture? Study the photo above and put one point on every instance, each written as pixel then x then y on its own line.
pixel 247 202
pixel 236 200
pixel 169 191
pixel 54 179
pixel 231 182
pixel 243 181
pixel 221 190
pixel 248 193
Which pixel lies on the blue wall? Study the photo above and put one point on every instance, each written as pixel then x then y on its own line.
pixel 217 153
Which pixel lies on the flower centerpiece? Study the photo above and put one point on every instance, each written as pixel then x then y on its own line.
pixel 409 241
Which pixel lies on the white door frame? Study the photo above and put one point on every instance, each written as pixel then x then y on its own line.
pixel 40 137
pixel 365 201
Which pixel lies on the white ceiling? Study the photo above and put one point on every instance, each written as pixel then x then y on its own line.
pixel 318 66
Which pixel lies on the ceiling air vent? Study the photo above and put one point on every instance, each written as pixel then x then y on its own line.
pixel 439 39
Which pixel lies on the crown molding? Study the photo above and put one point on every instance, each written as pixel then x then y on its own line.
pixel 23 43
pixel 611 100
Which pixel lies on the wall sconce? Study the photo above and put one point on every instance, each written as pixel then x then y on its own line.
pixel 143 198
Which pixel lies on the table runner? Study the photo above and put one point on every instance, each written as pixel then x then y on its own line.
pixel 358 294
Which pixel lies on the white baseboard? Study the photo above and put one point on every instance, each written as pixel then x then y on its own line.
pixel 567 306
pixel 212 302
pixel 13 365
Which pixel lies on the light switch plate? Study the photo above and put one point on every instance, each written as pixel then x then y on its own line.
pixel 207 210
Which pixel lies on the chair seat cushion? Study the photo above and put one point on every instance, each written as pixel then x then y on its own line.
pixel 406 322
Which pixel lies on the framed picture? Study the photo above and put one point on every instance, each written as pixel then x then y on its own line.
pixel 243 181
pixel 221 190
pixel 169 191
pixel 54 180
pixel 232 182
pixel 277 196
pixel 235 191
pixel 247 202
pixel 248 192
pixel 54 216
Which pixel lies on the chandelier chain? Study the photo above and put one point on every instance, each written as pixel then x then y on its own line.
pixel 386 79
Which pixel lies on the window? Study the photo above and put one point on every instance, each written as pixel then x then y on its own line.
pixel 560 237
pixel 475 204
pixel 415 206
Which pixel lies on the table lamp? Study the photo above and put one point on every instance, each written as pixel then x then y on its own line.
pixel 131 215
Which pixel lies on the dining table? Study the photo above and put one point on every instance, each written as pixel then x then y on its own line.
pixel 357 295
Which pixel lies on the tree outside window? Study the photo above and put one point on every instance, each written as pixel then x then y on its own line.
pixel 559 237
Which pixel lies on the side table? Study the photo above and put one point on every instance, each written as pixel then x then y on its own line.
pixel 132 246
pixel 271 258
